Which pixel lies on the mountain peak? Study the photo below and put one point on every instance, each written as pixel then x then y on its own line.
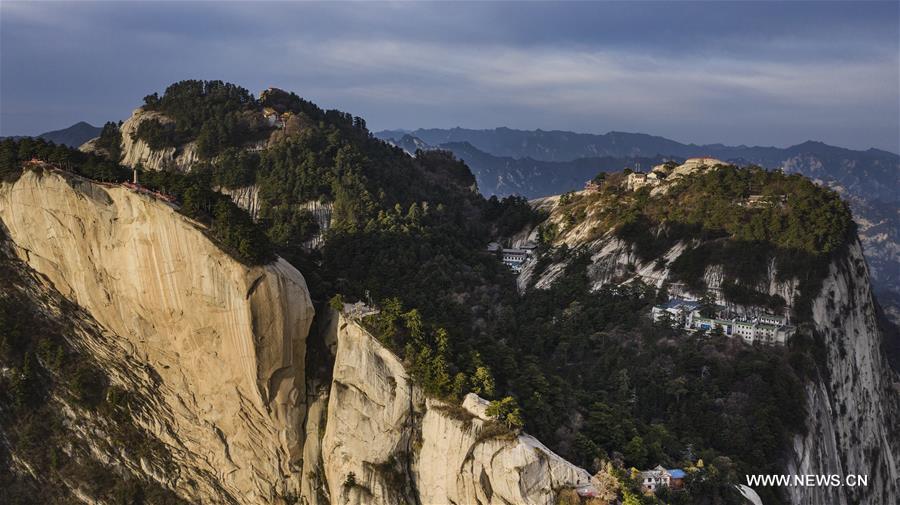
pixel 73 136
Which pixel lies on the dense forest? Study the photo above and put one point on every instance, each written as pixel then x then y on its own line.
pixel 228 225
pixel 215 114
pixel 583 370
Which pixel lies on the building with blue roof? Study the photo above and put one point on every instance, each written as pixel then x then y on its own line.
pixel 652 480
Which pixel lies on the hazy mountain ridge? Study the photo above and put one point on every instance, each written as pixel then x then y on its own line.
pixel 879 169
pixel 559 145
pixel 73 136
pixel 507 161
pixel 506 175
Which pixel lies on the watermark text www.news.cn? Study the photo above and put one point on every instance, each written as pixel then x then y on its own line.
pixel 809 480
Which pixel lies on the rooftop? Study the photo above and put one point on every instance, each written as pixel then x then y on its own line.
pixel 516 251
pixel 679 302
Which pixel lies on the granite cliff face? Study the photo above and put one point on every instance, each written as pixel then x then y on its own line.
pixel 135 152
pixel 227 341
pixel 854 407
pixel 386 443
pixel 246 198
pixel 220 349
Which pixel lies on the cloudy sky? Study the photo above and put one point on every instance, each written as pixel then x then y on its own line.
pixel 737 72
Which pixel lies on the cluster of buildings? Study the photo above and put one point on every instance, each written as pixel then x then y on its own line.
pixel 756 201
pixel 274 118
pixel 669 171
pixel 592 186
pixel 651 480
pixel 764 328
pixel 514 257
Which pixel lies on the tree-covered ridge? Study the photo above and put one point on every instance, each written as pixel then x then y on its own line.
pixel 230 226
pixel 598 381
pixel 215 114
pixel 110 141
pixel 744 204
pixel 739 218
pixel 15 153
pixel 218 115
pixel 317 155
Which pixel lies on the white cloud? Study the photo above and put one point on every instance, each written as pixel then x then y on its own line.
pixel 582 79
pixel 434 62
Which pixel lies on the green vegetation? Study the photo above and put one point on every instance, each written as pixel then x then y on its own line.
pixel 110 141
pixel 789 221
pixel 214 113
pixel 235 168
pixel 507 412
pixel 229 225
pixel 159 135
pixel 511 214
pixel 596 380
pixel 14 153
pixel 44 376
pixel 583 370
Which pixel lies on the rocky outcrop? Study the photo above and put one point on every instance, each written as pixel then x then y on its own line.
pixel 614 262
pixel 246 198
pixel 219 351
pixel 136 152
pixel 854 404
pixel 226 341
pixel 386 443
pixel 321 212
pixel 854 407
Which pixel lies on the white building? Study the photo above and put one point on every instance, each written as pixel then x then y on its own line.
pixel 679 310
pixel 515 258
pixel 764 328
pixel 749 329
pixel 637 180
pixel 652 480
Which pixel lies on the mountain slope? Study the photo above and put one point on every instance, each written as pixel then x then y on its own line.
pixel 177 303
pixel 503 160
pixel 73 136
pixel 344 423
pixel 851 394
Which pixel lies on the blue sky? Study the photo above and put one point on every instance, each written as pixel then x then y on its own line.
pixel 732 72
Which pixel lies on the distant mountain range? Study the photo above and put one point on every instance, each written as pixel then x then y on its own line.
pixel 506 175
pixel 73 136
pixel 536 163
pixel 872 173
